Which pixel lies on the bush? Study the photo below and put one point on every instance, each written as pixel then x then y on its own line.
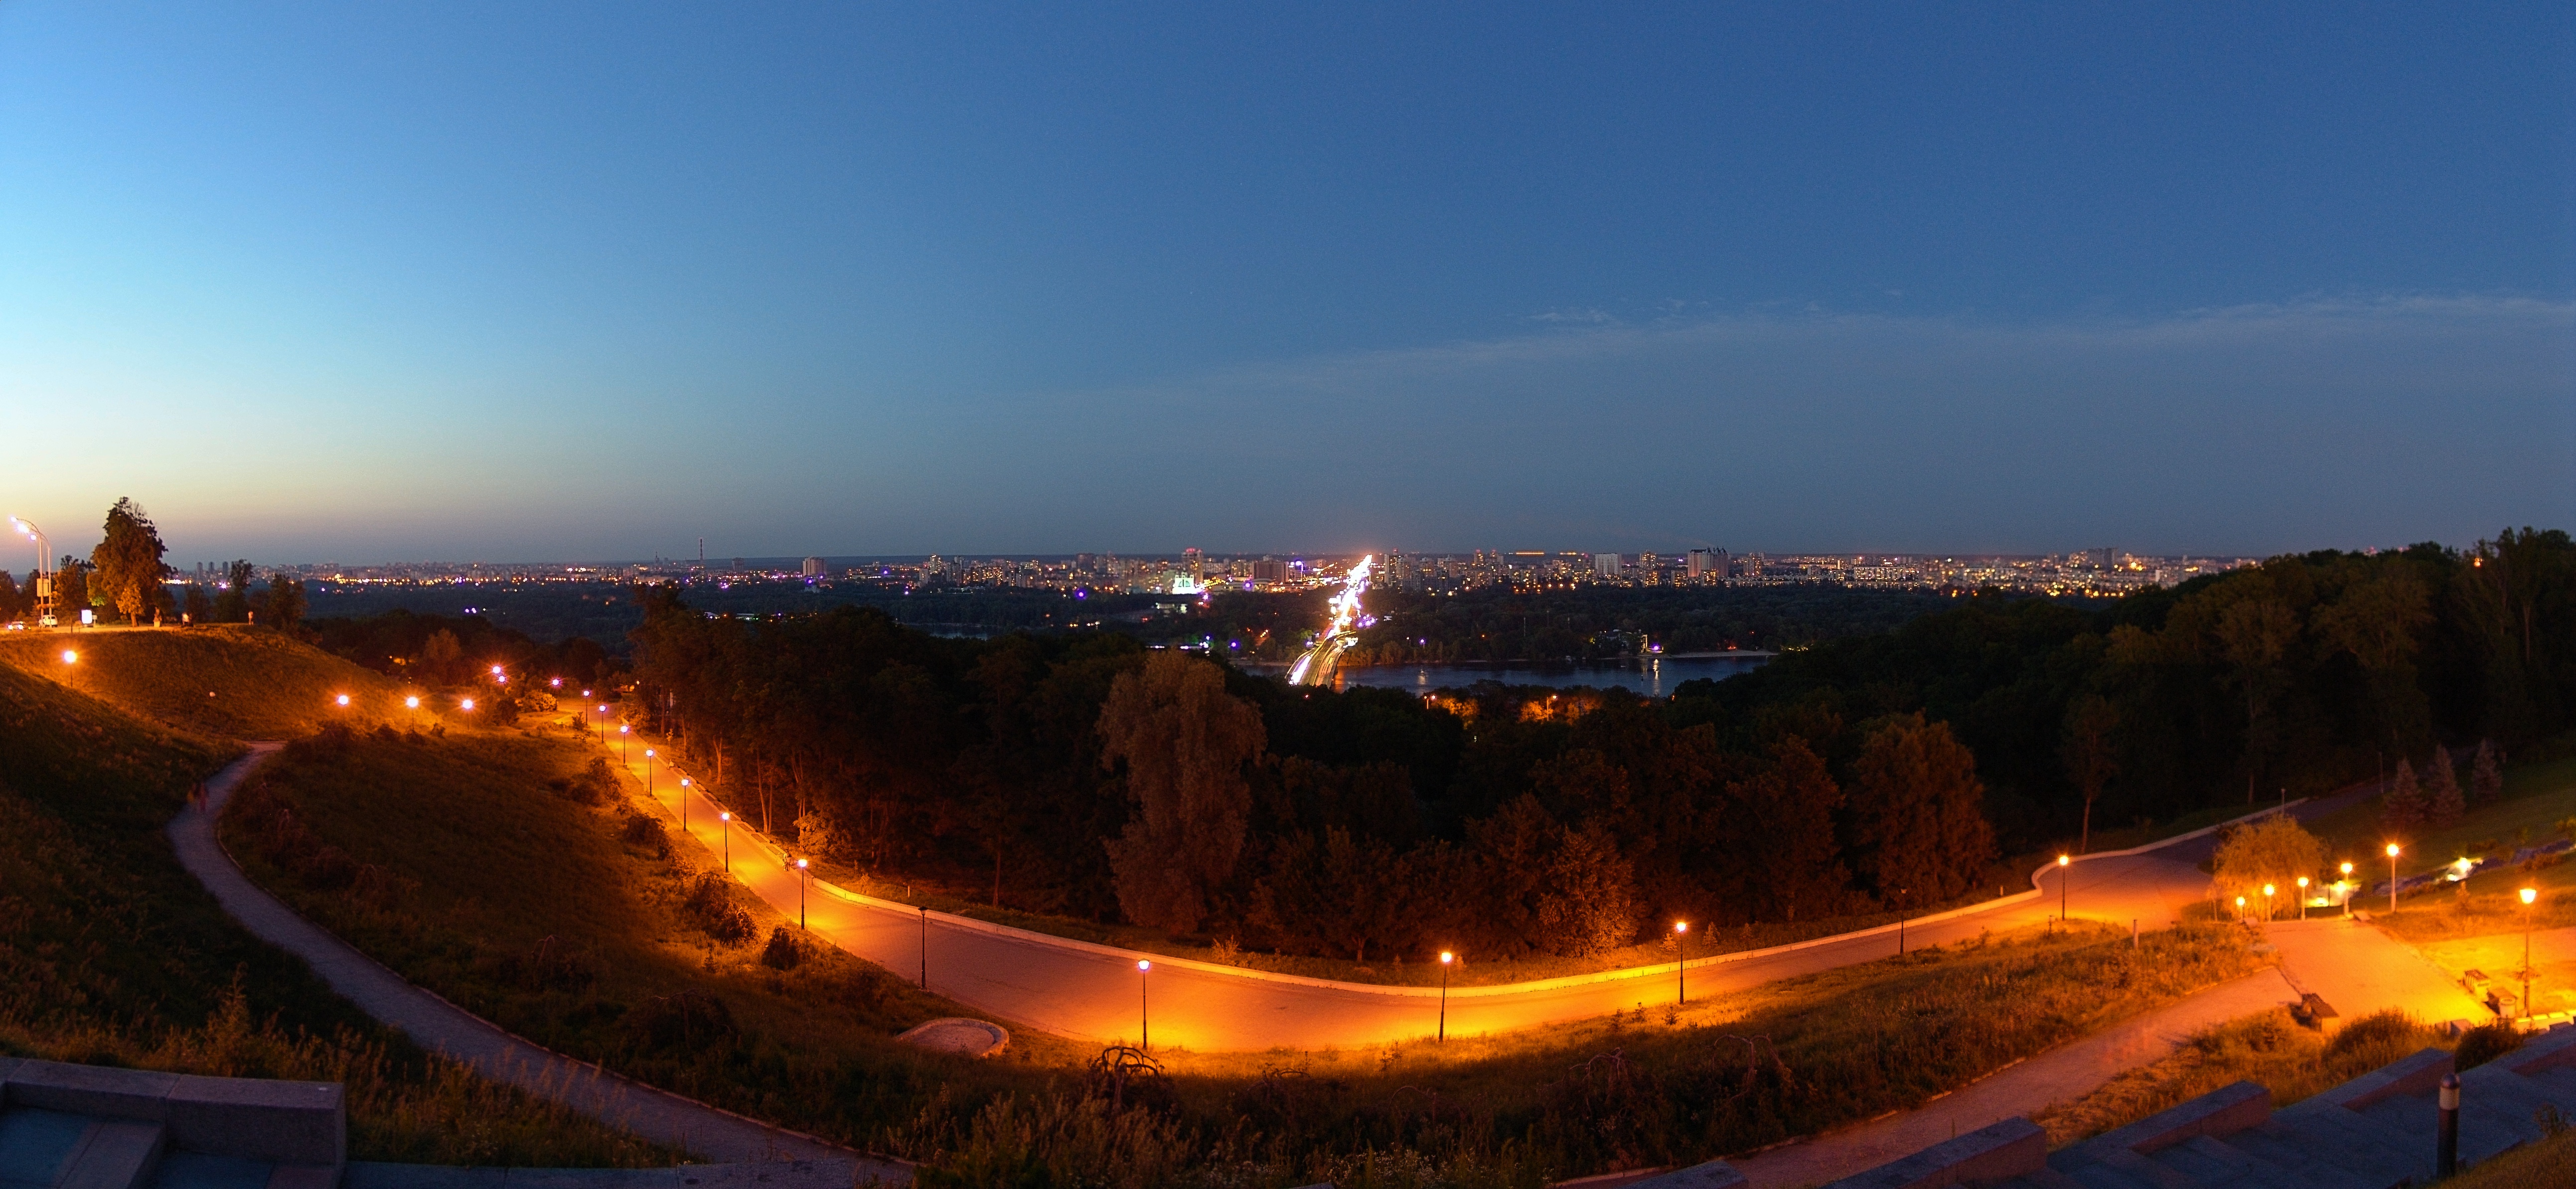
pixel 683 1019
pixel 711 903
pixel 2485 1043
pixel 784 951
pixel 644 832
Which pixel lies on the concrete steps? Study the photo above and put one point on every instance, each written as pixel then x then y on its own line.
pixel 114 1154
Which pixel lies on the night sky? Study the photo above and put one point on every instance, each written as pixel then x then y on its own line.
pixel 568 281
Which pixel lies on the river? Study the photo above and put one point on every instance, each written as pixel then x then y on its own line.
pixel 1654 677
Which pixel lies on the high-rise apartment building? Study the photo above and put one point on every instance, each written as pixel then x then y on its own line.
pixel 1605 565
pixel 813 567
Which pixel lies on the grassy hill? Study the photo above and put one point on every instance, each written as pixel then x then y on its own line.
pixel 222 680
pixel 111 953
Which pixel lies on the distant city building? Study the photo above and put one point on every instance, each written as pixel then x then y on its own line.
pixel 1605 565
pixel 1705 564
pixel 813 567
pixel 1269 569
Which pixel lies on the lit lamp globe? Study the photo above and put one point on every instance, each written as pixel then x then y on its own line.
pixel 2530 895
pixel 342 699
pixel 467 704
pixel 412 703
pixel 70 657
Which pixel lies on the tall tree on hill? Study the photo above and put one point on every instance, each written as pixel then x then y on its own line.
pixel 2091 759
pixel 2443 803
pixel 2486 776
pixel 9 606
pixel 71 587
pixel 1918 811
pixel 2255 635
pixel 129 561
pixel 1787 834
pixel 232 603
pixel 2379 621
pixel 2402 811
pixel 285 601
pixel 1184 742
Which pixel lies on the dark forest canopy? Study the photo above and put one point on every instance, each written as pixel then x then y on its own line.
pixel 1103 779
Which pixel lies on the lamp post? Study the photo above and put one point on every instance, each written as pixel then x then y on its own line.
pixel 803 878
pixel 648 772
pixel 2268 912
pixel 602 720
pixel 2347 896
pixel 2240 909
pixel 2530 896
pixel 2062 862
pixel 924 909
pixel 622 736
pixel 45 616
pixel 1681 964
pixel 412 703
pixel 1144 1021
pixel 1445 958
pixel 2392 879
pixel 1900 920
pixel 724 822
pixel 2303 897
pixel 684 805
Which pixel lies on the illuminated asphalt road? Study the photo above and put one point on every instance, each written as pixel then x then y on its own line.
pixel 1087 991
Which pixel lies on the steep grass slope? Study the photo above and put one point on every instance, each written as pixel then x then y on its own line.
pixel 112 953
pixel 234 682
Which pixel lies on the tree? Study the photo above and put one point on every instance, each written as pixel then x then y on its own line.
pixel 129 561
pixel 2486 776
pixel 232 602
pixel 1919 811
pixel 71 588
pixel 2379 621
pixel 2086 750
pixel 1591 899
pixel 1184 742
pixel 2443 804
pixel 440 656
pixel 197 607
pixel 1786 833
pixel 2255 635
pixel 2274 850
pixel 9 605
pixel 285 601
pixel 2403 810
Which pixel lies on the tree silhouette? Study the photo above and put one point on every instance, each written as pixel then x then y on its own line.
pixel 1184 742
pixel 1919 810
pixel 128 562
pixel 2091 760
pixel 2443 804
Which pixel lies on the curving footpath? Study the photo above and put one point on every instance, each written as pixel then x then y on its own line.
pixel 439 1026
pixel 1085 990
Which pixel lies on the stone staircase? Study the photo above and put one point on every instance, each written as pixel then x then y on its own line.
pixel 84 1127
pixel 2374 1132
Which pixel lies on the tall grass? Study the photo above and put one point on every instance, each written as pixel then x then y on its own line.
pixel 2269 1047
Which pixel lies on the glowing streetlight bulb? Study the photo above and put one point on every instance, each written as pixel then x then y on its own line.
pixel 556 683
pixel 343 699
pixel 411 703
pixel 1142 965
pixel 70 657
pixel 2392 850
pixel 496 670
pixel 1446 957
pixel 467 704
pixel 2530 894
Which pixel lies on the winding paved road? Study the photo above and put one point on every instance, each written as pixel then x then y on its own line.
pixel 1093 992
pixel 442 1027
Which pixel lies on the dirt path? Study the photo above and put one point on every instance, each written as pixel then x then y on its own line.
pixel 442 1027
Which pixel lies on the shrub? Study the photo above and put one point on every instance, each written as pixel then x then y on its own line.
pixel 784 951
pixel 644 832
pixel 2485 1043
pixel 683 1019
pixel 711 903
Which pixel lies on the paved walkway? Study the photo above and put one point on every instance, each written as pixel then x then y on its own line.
pixel 2357 970
pixel 2052 1077
pixel 442 1027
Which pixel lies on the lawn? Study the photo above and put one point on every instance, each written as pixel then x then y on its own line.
pixel 494 883
pixel 111 953
pixel 230 681
pixel 2539 800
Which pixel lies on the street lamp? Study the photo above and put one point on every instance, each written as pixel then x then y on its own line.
pixel 2347 878
pixel 2062 862
pixel 725 823
pixel 2267 904
pixel 44 572
pixel 1445 959
pixel 2240 909
pixel 684 805
pixel 622 756
pixel 803 879
pixel 602 720
pixel 648 772
pixel 1144 1022
pixel 2392 879
pixel 2530 896
pixel 1681 967
pixel 2303 897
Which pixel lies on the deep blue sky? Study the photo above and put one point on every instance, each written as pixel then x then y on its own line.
pixel 520 281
